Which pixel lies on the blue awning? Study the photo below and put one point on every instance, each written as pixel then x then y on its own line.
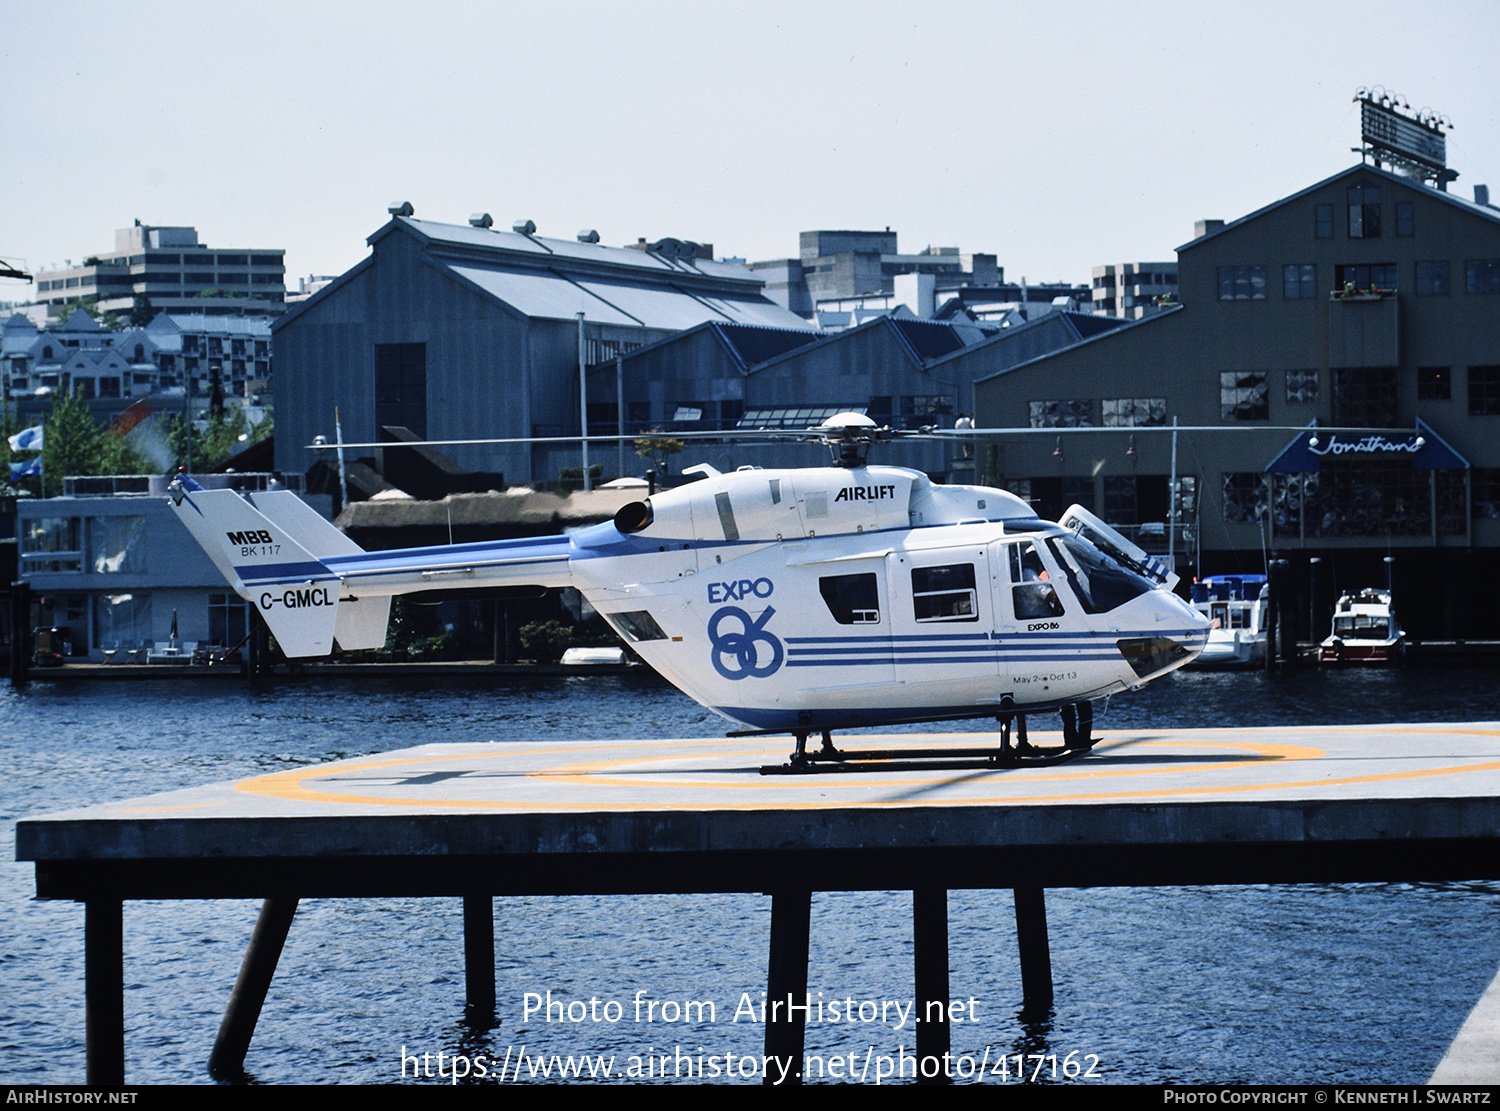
pixel 1427 450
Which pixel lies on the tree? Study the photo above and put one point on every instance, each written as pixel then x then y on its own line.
pixel 657 448
pixel 76 445
pixel 142 312
pixel 225 433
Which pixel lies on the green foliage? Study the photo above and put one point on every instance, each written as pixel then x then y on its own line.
pixel 88 304
pixel 657 448
pixel 572 477
pixel 216 443
pixel 545 640
pixel 142 311
pixel 77 445
pixel 992 476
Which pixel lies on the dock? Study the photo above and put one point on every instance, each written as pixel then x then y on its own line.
pixel 1393 803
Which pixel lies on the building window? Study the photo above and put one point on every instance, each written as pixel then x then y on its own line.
pixel 1405 220
pixel 1356 498
pixel 1062 414
pixel 1323 221
pixel 1243 395
pixel 117 545
pixel 1432 279
pixel 1133 412
pixel 123 620
pixel 1379 278
pixel 51 544
pixel 1242 283
pixel 1484 391
pixel 401 386
pixel 1482 275
pixel 1301 386
pixel 1299 281
pixel 1077 491
pixel 228 625
pixel 1245 495
pixel 1364 397
pixel 1364 211
pixel 1434 383
pixel 1119 499
pixel 1486 492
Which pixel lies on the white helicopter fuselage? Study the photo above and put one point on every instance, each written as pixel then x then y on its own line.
pixel 787 600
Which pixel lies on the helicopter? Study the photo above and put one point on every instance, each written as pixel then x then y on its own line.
pixel 790 601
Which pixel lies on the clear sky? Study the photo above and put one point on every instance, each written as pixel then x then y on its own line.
pixel 1058 137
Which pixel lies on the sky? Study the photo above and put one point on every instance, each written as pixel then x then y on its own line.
pixel 1057 137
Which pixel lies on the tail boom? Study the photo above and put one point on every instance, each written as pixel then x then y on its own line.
pixel 263 544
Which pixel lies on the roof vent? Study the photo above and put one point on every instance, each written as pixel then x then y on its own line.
pixel 523 227
pixel 400 208
pixel 588 236
pixel 1482 194
pixel 481 220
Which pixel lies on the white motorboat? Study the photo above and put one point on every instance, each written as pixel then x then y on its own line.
pixel 1365 630
pixel 1236 606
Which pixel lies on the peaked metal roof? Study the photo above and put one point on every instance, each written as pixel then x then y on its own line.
pixel 1484 211
pixel 555 279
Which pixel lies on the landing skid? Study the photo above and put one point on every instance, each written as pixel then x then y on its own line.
pixel 1015 751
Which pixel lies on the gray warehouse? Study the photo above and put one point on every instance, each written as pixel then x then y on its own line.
pixel 469 332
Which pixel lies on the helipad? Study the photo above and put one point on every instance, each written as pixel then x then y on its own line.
pixel 1314 804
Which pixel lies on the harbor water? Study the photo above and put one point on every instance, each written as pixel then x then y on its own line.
pixel 1362 983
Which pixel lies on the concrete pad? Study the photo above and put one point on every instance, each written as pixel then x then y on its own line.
pixel 1474 1056
pixel 1359 783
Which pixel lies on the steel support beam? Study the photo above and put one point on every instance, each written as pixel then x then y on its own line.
pixel 786 982
pixel 227 1061
pixel 1036 957
pixel 929 919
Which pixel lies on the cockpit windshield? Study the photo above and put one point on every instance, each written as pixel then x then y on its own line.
pixel 1100 583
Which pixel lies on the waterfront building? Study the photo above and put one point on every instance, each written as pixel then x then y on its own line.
pixel 1367 301
pixel 466 331
pixel 175 272
pixel 175 351
pixel 110 564
pixel 1130 290
pixel 898 370
pixel 842 278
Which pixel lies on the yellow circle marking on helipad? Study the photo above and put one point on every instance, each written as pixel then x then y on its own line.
pixel 589 773
pixel 290 785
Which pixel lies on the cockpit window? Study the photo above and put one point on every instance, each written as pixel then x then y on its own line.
pixel 1031 591
pixel 944 593
pixel 1100 583
pixel 852 599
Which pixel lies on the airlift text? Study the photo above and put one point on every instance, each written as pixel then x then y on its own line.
pixel 865 493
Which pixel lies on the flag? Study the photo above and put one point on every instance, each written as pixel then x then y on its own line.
pixel 19 471
pixel 28 439
pixel 136 413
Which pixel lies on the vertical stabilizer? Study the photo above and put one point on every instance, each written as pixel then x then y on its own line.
pixel 296 594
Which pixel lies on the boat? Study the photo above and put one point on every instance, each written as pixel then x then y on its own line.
pixel 1365 631
pixel 1237 607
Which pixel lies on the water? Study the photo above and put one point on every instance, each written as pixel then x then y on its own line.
pixel 1308 984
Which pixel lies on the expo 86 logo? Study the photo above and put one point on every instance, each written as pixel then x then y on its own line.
pixel 744 649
